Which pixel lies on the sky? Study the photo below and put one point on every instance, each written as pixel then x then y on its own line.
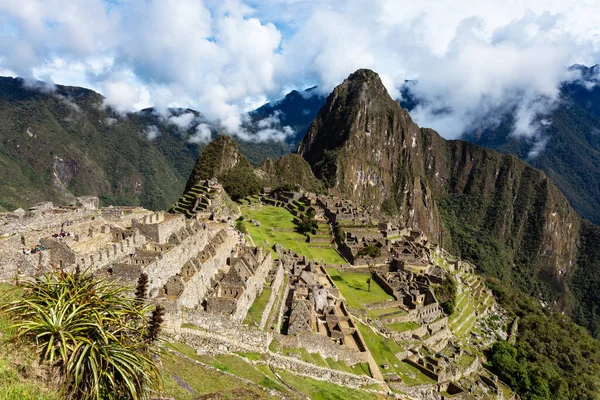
pixel 225 57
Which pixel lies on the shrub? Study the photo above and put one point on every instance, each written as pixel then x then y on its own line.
pixel 370 251
pixel 240 226
pixel 95 336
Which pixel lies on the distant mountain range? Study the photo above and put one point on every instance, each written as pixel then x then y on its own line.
pixel 61 142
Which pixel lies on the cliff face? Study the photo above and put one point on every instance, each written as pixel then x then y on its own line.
pixel 364 146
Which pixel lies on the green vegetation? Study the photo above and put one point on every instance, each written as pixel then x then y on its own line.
pixel 277 226
pixel 307 224
pixel 403 326
pixel 552 358
pixel 206 381
pixel 585 280
pixel 355 289
pixel 289 173
pixel 384 351
pixel 323 390
pixel 215 161
pixel 370 251
pixel 99 340
pixel 240 226
pixel 258 307
pixel 446 294
pixel 22 377
pixel 241 181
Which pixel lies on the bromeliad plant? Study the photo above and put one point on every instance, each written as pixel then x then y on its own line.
pixel 95 335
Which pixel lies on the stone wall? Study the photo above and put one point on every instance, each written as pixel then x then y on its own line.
pixel 302 368
pixel 316 343
pixel 160 271
pixel 381 281
pixel 275 285
pixel 438 340
pixel 407 335
pixel 222 339
pixel 160 226
pixel 113 252
pixel 196 288
pixel 254 286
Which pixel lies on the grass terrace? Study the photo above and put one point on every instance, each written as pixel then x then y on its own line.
pixel 403 326
pixel 220 384
pixel 323 390
pixel 384 351
pixel 317 359
pixel 355 289
pixel 277 226
pixel 257 308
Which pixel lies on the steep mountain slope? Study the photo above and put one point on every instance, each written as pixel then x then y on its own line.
pixel 56 143
pixel 290 170
pixel 221 159
pixel 572 128
pixel 571 156
pixel 63 143
pixel 296 109
pixel 364 146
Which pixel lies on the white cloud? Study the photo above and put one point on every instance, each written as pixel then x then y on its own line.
pixel 183 122
pixel 201 135
pixel 151 132
pixel 224 58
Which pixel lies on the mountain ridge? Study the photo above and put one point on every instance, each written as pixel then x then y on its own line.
pixel 365 147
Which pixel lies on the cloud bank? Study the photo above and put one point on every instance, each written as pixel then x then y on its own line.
pixel 225 58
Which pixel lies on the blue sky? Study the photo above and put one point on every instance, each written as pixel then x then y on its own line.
pixel 226 57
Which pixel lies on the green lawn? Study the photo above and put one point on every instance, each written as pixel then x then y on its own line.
pixel 384 351
pixel 323 390
pixel 279 218
pixel 355 290
pixel 403 326
pixel 258 307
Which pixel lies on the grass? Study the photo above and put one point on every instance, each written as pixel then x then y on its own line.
pixel 21 376
pixel 355 290
pixel 323 390
pixel 403 326
pixel 384 351
pixel 279 218
pixel 383 311
pixel 257 309
pixel 206 381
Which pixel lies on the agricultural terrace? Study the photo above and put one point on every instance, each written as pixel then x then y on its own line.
pixel 355 289
pixel 276 225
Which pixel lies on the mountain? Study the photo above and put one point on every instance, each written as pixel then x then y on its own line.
pixel 221 159
pixel 571 154
pixel 60 142
pixel 296 110
pixel 572 128
pixel 496 210
pixel 291 172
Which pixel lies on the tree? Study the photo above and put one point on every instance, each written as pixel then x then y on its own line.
pixel 94 335
pixel 307 225
pixel 370 251
pixel 240 226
